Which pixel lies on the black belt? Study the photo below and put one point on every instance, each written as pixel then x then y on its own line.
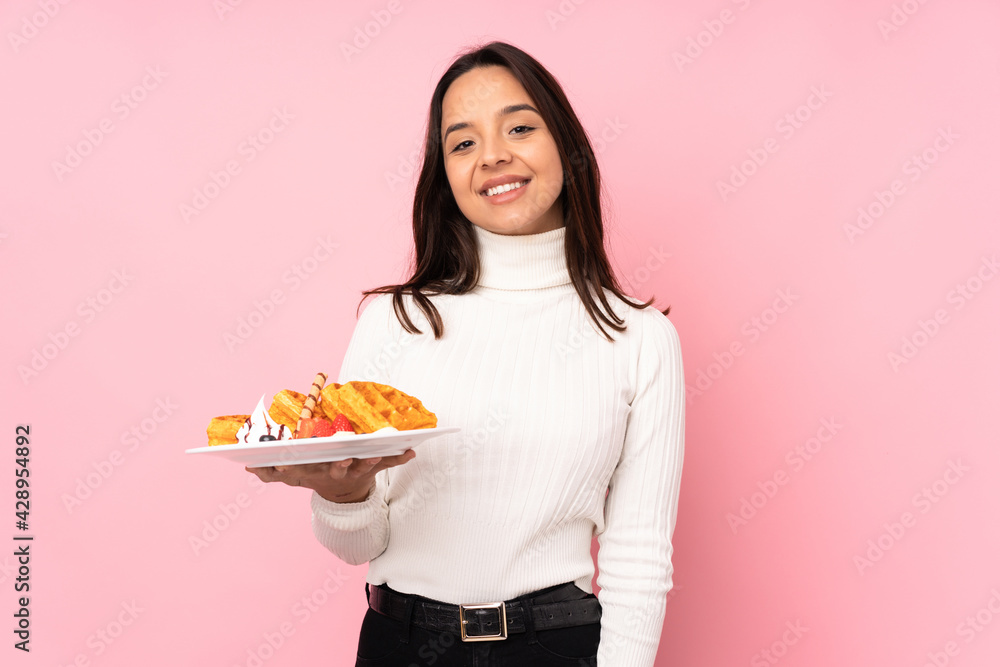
pixel 490 621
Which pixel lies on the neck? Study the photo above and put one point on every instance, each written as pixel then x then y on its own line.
pixel 522 262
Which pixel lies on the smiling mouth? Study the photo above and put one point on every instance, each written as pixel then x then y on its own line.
pixel 500 189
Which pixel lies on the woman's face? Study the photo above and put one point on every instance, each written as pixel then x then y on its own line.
pixel 491 131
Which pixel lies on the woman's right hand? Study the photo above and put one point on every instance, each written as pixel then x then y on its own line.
pixel 346 481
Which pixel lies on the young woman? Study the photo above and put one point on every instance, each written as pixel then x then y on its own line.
pixel 480 546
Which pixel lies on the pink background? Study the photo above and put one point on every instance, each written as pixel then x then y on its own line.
pixel 339 171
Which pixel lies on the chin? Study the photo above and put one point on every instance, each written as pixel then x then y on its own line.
pixel 517 229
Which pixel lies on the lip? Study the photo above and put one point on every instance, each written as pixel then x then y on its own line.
pixel 507 197
pixel 501 180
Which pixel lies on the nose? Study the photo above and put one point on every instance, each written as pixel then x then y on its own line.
pixel 495 151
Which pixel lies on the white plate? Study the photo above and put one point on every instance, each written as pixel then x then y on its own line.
pixel 321 450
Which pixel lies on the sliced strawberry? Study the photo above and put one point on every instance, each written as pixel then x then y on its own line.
pixel 315 427
pixel 342 424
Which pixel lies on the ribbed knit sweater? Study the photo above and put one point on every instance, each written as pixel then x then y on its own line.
pixel 565 436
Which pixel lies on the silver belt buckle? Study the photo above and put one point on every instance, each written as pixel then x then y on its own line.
pixel 484 638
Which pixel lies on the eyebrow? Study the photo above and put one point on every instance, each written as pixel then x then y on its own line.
pixel 506 111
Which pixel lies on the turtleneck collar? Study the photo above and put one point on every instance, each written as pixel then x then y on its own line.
pixel 522 262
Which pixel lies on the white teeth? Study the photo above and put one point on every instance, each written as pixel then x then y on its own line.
pixel 504 188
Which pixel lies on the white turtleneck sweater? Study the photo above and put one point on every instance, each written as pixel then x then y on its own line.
pixel 565 436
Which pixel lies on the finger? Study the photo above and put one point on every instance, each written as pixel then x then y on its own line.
pixel 338 469
pixel 364 466
pixel 399 459
pixel 266 474
pixel 303 469
pixel 392 461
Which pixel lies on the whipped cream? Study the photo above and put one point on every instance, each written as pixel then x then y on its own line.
pixel 260 423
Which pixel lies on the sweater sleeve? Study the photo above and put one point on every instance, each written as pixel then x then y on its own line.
pixel 358 532
pixel 634 558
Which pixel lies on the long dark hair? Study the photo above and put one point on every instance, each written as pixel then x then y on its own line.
pixel 447 253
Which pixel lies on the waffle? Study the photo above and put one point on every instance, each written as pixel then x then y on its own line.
pixel 286 407
pixel 222 430
pixel 370 406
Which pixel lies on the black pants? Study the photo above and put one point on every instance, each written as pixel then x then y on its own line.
pixel 386 642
